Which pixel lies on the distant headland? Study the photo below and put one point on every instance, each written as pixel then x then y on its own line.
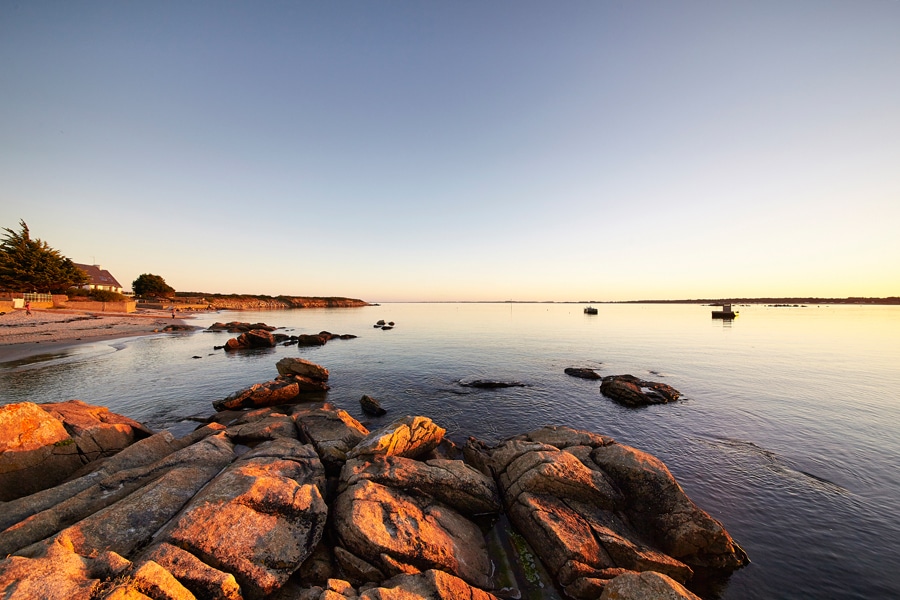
pixel 263 302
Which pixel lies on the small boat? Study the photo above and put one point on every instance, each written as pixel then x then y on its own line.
pixel 590 310
pixel 725 313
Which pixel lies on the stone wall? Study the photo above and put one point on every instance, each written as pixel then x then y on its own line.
pixel 126 307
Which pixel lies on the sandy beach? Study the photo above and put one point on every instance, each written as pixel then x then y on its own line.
pixel 46 331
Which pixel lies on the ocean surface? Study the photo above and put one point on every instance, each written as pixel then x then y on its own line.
pixel 788 431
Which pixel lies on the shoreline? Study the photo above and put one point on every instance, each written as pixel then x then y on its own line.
pixel 48 331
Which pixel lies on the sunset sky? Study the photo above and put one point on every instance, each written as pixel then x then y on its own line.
pixel 396 151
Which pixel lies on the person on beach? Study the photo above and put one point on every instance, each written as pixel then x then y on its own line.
pixel 173 313
pixel 28 308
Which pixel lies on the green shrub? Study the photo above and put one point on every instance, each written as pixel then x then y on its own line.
pixel 106 296
pixel 80 293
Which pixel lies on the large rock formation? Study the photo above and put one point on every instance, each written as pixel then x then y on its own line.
pixel 592 508
pixel 43 444
pixel 268 510
pixel 302 502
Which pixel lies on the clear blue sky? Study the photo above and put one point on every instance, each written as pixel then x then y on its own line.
pixel 460 150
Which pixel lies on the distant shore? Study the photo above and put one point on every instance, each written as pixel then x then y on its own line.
pixel 52 330
pixel 891 300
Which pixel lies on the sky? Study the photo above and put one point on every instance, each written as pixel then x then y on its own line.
pixel 466 150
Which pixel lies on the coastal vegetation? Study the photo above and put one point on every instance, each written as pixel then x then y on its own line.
pixel 30 265
pixel 95 295
pixel 149 284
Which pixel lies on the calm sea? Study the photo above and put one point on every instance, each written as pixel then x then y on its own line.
pixel 788 431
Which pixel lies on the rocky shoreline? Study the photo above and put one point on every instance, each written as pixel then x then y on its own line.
pixel 299 500
pixel 245 302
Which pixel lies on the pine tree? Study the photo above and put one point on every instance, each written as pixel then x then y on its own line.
pixel 31 265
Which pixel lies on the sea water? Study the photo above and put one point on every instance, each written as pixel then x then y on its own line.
pixel 788 431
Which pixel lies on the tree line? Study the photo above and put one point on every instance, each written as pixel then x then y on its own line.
pixel 29 264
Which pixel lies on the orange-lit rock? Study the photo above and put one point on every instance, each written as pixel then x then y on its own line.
pixel 36 451
pixel 646 586
pixel 58 573
pixel 408 436
pixel 282 390
pixel 97 431
pixel 43 444
pixel 401 533
pixel 451 482
pixel 429 585
pixel 333 432
pixel 302 367
pixel 260 518
pixel 201 579
pixel 255 338
pixel 269 427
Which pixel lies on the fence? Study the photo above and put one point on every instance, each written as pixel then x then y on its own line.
pixel 29 297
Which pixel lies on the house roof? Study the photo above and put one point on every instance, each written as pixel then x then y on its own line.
pixel 99 276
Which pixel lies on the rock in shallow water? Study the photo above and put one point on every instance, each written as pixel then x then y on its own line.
pixel 631 391
pixel 582 373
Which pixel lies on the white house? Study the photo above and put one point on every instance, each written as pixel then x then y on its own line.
pixel 100 279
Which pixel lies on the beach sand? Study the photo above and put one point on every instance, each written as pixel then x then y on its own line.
pixel 46 331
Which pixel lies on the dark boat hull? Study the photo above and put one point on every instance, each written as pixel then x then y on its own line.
pixel 722 314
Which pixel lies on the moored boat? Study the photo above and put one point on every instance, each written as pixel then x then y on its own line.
pixel 725 313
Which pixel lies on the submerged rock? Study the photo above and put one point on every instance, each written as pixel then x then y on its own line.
pixel 491 384
pixel 371 406
pixel 582 372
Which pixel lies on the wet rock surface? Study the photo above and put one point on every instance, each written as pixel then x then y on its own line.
pixel 255 338
pixel 582 373
pixel 301 501
pixel 633 391
pixel 239 327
